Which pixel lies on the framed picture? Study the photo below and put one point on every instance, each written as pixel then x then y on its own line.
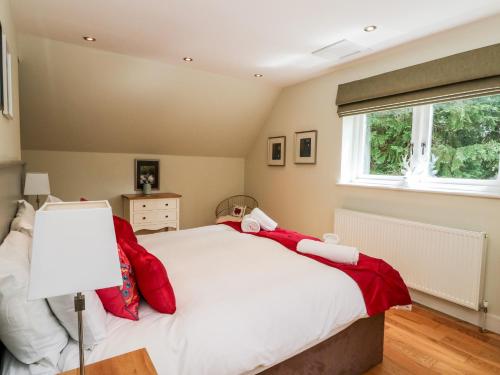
pixel 7 89
pixel 9 103
pixel 276 150
pixel 305 147
pixel 147 170
pixel 2 68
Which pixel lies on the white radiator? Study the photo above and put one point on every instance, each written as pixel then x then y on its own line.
pixel 444 262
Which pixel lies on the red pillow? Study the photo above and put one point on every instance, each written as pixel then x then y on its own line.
pixel 123 229
pixel 151 276
pixel 122 301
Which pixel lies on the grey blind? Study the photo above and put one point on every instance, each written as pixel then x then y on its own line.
pixel 467 74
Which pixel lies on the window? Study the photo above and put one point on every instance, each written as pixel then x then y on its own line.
pixel 466 138
pixel 389 136
pixel 448 146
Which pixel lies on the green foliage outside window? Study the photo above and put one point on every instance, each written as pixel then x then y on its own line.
pixel 466 138
pixel 390 137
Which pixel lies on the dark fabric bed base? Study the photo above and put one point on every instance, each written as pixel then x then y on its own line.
pixel 352 351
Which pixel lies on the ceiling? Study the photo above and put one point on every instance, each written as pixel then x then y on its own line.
pixel 240 37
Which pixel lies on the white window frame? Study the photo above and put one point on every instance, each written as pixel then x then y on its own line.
pixel 355 160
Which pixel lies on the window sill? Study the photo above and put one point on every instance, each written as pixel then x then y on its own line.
pixel 423 188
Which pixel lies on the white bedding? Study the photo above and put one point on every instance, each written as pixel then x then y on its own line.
pixel 244 303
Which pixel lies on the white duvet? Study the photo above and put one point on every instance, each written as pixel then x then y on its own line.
pixel 244 303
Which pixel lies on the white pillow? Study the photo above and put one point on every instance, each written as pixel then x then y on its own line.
pixel 28 329
pixel 10 365
pixel 25 218
pixel 52 199
pixel 94 317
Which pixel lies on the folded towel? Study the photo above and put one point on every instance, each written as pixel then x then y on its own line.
pixel 331 238
pixel 335 253
pixel 266 223
pixel 250 225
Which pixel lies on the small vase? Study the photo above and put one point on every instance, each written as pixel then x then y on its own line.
pixel 146 189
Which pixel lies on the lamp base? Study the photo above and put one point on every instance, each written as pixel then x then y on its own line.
pixel 79 307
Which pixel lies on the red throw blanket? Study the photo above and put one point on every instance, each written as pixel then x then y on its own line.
pixel 381 285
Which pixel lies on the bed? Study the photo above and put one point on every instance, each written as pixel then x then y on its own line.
pixel 246 305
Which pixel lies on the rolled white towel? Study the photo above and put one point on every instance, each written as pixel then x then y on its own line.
pixel 333 252
pixel 331 238
pixel 266 223
pixel 250 225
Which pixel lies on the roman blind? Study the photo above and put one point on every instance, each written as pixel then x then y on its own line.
pixel 467 74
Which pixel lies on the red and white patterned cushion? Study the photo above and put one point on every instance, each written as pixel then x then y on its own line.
pixel 122 301
pixel 238 211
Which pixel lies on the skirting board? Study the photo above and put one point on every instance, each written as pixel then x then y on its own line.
pixel 459 312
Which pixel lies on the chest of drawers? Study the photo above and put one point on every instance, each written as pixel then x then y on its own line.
pixel 152 212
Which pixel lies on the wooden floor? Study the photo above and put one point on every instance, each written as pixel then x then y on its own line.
pixel 427 342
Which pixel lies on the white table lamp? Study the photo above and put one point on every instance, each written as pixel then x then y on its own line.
pixel 37 184
pixel 74 250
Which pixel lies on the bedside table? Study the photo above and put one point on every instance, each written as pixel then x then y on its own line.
pixel 153 212
pixel 132 363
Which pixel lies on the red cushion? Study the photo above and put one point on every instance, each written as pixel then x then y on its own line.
pixel 151 276
pixel 122 301
pixel 123 229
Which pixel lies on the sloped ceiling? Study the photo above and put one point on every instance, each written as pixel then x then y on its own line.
pixel 75 98
pixel 242 37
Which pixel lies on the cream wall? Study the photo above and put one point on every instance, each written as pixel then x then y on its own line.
pixel 84 99
pixel 202 181
pixel 303 197
pixel 10 144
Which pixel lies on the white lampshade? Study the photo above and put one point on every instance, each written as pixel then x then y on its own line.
pixel 37 184
pixel 74 249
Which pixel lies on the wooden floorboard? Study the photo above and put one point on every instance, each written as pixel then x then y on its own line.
pixel 424 341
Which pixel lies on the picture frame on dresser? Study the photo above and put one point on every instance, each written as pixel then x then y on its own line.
pixel 145 169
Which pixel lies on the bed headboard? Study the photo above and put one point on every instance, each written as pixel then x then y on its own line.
pixel 11 175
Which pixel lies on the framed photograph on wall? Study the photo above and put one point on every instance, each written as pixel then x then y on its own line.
pixel 7 89
pixel 276 150
pixel 305 147
pixel 2 69
pixel 8 109
pixel 147 170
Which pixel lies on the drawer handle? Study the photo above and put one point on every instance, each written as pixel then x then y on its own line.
pixel 144 218
pixel 143 205
pixel 166 204
pixel 166 216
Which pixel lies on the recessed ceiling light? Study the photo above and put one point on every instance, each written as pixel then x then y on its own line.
pixel 370 28
pixel 258 75
pixel 89 38
pixel 188 59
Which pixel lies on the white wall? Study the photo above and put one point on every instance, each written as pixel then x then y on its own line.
pixel 202 181
pixel 303 197
pixel 10 145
